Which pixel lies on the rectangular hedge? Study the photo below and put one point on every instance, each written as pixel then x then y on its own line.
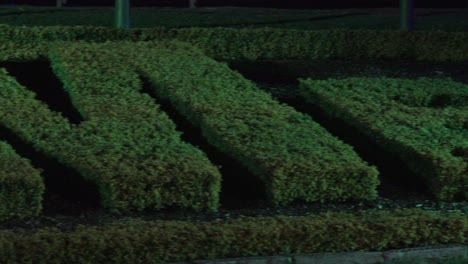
pixel 424 121
pixel 14 51
pixel 21 185
pixel 126 146
pixel 269 43
pixel 137 241
pixel 293 156
pixel 275 44
pixel 24 35
pixel 161 170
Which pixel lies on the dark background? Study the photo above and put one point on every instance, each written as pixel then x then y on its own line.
pixel 254 3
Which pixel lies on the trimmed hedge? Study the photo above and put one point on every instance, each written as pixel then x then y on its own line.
pixel 14 51
pixel 21 185
pixel 25 35
pixel 269 43
pixel 159 169
pixel 137 241
pixel 293 156
pixel 424 121
pixel 126 145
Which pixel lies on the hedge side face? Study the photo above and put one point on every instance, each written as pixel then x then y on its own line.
pixel 267 43
pixel 126 145
pixel 292 155
pixel 141 242
pixel 21 185
pixel 132 152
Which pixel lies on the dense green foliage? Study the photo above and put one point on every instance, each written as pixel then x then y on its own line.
pixel 131 149
pixel 21 185
pixel 137 241
pixel 292 155
pixel 253 44
pixel 126 145
pixel 425 121
pixel 266 43
pixel 153 168
pixel 25 35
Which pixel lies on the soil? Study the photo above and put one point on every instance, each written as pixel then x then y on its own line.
pixel 280 79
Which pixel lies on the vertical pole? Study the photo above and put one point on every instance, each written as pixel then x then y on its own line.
pixel 193 3
pixel 122 14
pixel 60 3
pixel 407 15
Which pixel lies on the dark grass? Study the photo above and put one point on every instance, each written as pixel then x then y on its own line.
pixel 452 20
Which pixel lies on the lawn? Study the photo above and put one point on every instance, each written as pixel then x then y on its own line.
pixel 450 20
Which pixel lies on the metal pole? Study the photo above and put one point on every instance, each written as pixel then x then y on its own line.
pixel 407 15
pixel 193 3
pixel 60 3
pixel 122 14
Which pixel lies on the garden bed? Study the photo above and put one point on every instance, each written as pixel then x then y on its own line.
pixel 278 78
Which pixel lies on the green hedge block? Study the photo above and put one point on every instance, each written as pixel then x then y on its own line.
pixel 137 241
pixel 268 43
pixel 293 156
pixel 26 35
pixel 126 145
pixel 14 51
pixel 21 185
pixel 424 121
